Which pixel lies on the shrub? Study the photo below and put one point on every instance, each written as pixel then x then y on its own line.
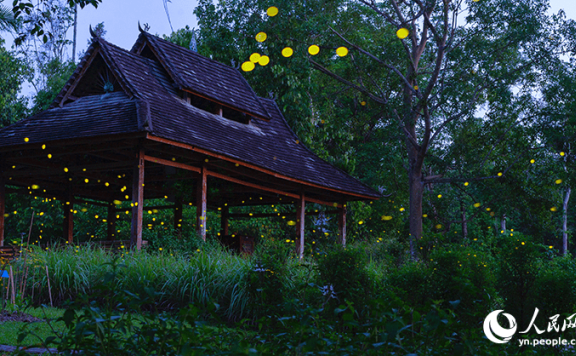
pixel 343 271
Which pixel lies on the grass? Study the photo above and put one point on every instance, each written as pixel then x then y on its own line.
pixel 9 330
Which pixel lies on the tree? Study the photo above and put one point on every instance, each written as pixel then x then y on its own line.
pixel 7 21
pixel 36 16
pixel 13 72
pixel 461 95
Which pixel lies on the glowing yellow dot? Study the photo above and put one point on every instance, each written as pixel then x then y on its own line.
pixel 439 196
pixel 561 153
pixel 83 210
pixel 402 33
pixel 487 209
pixel 247 66
pixel 261 37
pixel 34 186
pixel 558 181
pixel 96 216
pixel 255 57
pixel 402 209
pixel 342 51
pixel 43 147
pixel 466 184
pixel 425 215
pixel 49 156
pixel 26 139
pixel 499 174
pixel 438 226
pixel 363 103
pixel 272 11
pixel 160 249
pixel 86 180
pixel 313 50
pixel 550 247
pixel 553 208
pixel 386 217
pixel 287 52
pixel 532 161
pixel 264 60
pixel 291 223
pixel 477 205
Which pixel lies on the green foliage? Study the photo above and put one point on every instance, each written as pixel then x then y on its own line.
pixel 57 74
pixel 13 72
pixel 521 260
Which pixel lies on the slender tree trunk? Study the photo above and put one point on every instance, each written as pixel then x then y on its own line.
pixel 416 195
pixel 75 31
pixel 503 223
pixel 565 221
pixel 464 222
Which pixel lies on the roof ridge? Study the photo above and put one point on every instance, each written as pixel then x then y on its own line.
pixel 117 68
pixel 83 62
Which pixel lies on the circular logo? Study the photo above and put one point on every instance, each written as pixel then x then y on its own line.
pixel 496 333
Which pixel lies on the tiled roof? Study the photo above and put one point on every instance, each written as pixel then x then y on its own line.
pixel 156 107
pixel 206 77
pixel 107 114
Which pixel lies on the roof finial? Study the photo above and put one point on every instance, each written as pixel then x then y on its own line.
pixel 145 29
pixel 93 34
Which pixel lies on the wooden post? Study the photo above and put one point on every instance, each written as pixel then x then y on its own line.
pixel 201 203
pixel 137 201
pixel 69 216
pixel 300 219
pixel 342 224
pixel 178 217
pixel 224 220
pixel 111 222
pixel 2 208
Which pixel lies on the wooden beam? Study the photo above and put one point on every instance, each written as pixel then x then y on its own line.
pixel 137 201
pixel 252 166
pixel 300 220
pixel 257 186
pixel 271 215
pixel 224 220
pixel 2 207
pixel 202 189
pixel 166 162
pixel 342 224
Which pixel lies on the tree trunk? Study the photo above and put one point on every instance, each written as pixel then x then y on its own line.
pixel 565 221
pixel 416 194
pixel 464 222
pixel 503 223
pixel 75 31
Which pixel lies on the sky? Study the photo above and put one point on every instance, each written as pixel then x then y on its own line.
pixel 121 18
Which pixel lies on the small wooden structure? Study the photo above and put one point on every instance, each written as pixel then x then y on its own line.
pixel 128 125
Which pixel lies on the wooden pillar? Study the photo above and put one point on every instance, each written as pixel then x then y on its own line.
pixel 137 201
pixel 202 189
pixel 69 217
pixel 2 207
pixel 178 217
pixel 224 220
pixel 111 222
pixel 300 219
pixel 342 224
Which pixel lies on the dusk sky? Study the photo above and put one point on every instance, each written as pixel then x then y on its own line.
pixel 121 18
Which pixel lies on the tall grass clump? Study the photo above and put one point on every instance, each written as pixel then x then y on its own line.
pixel 207 275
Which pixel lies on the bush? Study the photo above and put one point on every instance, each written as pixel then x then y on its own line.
pixel 343 273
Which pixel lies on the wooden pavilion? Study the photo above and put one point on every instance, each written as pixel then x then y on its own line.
pixel 130 124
